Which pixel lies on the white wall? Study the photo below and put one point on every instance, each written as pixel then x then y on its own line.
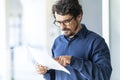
pixel 115 37
pixel 92 15
pixel 4 58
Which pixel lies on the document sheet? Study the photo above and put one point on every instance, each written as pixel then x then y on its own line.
pixel 43 58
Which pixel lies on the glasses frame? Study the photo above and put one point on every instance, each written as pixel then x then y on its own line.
pixel 65 22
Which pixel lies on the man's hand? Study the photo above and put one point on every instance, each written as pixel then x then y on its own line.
pixel 63 60
pixel 41 69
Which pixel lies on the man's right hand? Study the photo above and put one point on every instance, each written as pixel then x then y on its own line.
pixel 41 69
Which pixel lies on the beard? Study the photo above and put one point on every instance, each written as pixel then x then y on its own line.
pixel 68 32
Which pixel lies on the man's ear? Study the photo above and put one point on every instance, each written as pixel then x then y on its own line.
pixel 79 18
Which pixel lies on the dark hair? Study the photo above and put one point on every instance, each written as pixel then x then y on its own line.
pixel 64 7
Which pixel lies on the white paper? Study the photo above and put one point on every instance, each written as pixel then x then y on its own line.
pixel 43 58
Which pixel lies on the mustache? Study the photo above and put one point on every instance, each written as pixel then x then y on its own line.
pixel 65 29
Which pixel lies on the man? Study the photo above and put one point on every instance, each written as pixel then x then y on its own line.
pixel 82 52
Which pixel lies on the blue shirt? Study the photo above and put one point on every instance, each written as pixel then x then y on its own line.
pixel 90 57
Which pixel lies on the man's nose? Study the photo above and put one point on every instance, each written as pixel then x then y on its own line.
pixel 62 26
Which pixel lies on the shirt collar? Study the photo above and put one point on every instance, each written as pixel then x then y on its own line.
pixel 82 32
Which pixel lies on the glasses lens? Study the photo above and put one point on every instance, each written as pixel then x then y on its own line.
pixel 65 23
pixel 56 23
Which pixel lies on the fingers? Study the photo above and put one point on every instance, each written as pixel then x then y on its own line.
pixel 63 60
pixel 41 69
pixel 60 60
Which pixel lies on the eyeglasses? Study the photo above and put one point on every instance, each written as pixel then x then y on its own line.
pixel 65 22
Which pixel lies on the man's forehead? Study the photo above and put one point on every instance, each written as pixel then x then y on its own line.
pixel 61 17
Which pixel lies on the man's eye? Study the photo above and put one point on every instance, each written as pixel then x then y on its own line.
pixel 67 21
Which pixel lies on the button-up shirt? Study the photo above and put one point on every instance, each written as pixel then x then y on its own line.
pixel 90 57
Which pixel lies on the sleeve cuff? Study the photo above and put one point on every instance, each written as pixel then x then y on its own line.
pixel 72 61
pixel 76 63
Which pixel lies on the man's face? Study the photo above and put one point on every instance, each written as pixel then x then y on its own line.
pixel 67 23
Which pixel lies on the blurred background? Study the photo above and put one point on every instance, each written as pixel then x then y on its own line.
pixel 29 23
